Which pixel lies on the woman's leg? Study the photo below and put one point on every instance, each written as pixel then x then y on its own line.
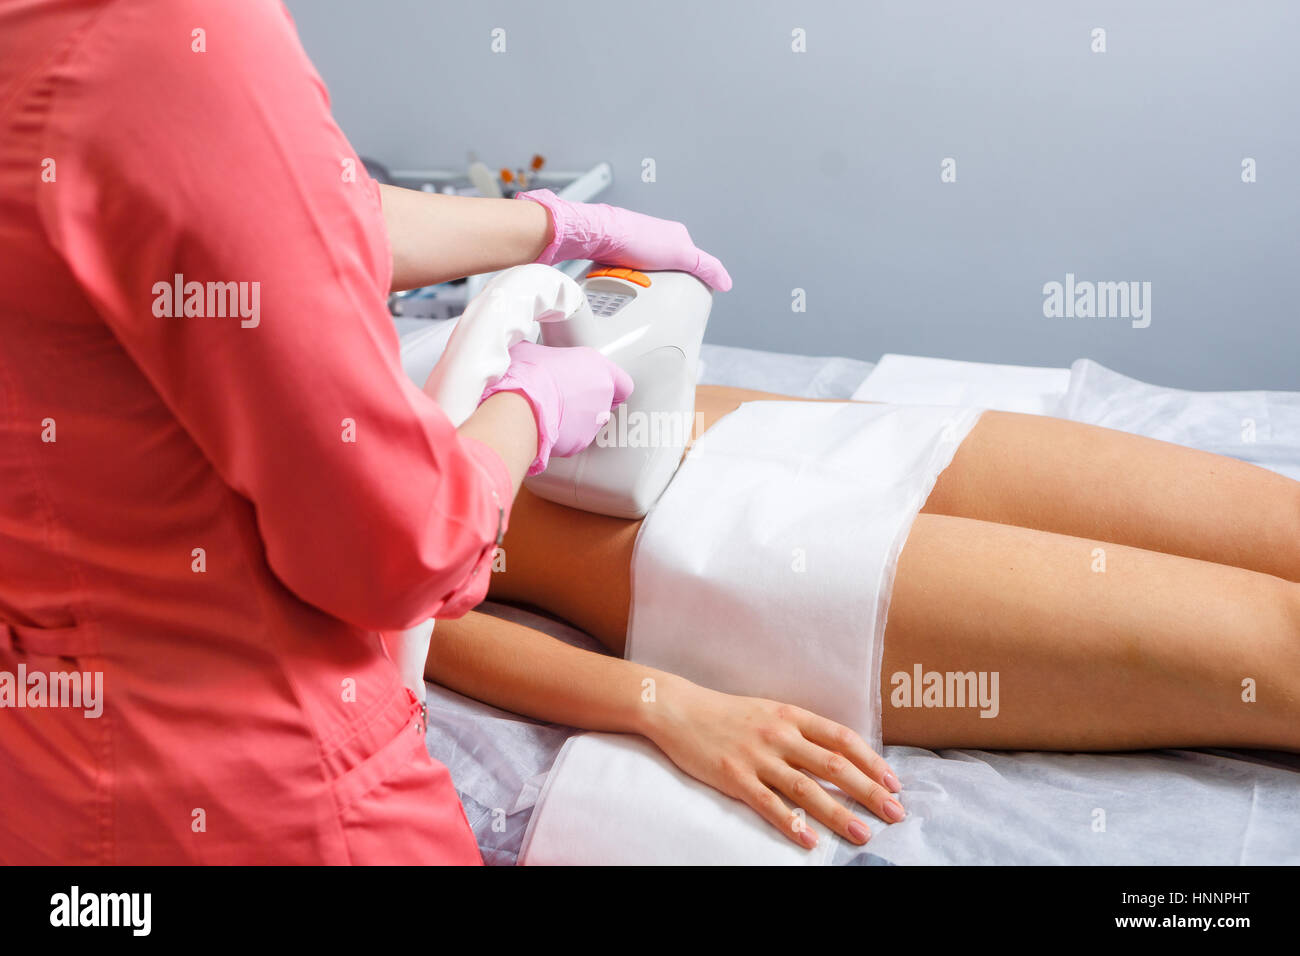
pixel 1076 479
pixel 1097 646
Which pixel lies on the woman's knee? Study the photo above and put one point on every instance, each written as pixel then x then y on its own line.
pixel 1293 528
pixel 1291 609
pixel 1271 688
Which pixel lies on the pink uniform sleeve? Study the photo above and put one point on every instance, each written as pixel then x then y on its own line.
pixel 193 143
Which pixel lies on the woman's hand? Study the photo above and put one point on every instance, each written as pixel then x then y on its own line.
pixel 765 753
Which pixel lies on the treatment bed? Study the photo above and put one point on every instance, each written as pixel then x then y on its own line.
pixel 964 806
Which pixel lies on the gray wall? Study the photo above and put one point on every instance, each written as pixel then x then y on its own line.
pixel 820 170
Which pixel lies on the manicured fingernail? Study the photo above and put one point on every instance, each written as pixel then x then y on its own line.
pixel 808 837
pixel 894 810
pixel 892 782
pixel 858 831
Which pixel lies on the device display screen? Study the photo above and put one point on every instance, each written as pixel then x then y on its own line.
pixel 605 304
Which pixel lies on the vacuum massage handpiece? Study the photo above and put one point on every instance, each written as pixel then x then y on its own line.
pixel 651 325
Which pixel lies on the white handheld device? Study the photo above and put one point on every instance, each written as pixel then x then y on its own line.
pixel 651 324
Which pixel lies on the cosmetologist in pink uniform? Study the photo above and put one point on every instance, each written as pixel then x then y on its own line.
pixel 217 514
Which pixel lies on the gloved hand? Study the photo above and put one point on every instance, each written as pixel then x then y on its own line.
pixel 571 390
pixel 619 237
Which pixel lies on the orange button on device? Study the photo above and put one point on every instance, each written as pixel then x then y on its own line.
pixel 628 275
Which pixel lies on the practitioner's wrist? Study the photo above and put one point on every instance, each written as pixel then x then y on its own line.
pixel 556 226
pixel 506 423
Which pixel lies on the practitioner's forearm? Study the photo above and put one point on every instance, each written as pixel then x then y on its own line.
pixel 531 673
pixel 435 237
pixel 505 423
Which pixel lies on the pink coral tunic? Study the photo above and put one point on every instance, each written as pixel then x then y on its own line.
pixel 213 503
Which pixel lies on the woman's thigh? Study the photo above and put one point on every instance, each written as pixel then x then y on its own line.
pixel 1076 479
pixel 1094 645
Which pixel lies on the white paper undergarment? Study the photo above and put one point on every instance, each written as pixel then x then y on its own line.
pixel 764 570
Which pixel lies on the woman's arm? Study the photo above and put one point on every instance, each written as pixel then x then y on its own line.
pixel 751 749
pixel 435 237
pixel 518 668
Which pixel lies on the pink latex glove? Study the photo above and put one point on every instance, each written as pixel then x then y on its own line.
pixel 619 237
pixel 572 392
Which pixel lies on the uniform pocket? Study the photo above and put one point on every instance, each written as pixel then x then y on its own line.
pixel 71 641
pixel 398 806
pixel 391 756
pixel 54 747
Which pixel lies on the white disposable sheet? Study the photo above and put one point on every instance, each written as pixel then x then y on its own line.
pixel 615 799
pixel 799 376
pixel 904 379
pixel 1256 426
